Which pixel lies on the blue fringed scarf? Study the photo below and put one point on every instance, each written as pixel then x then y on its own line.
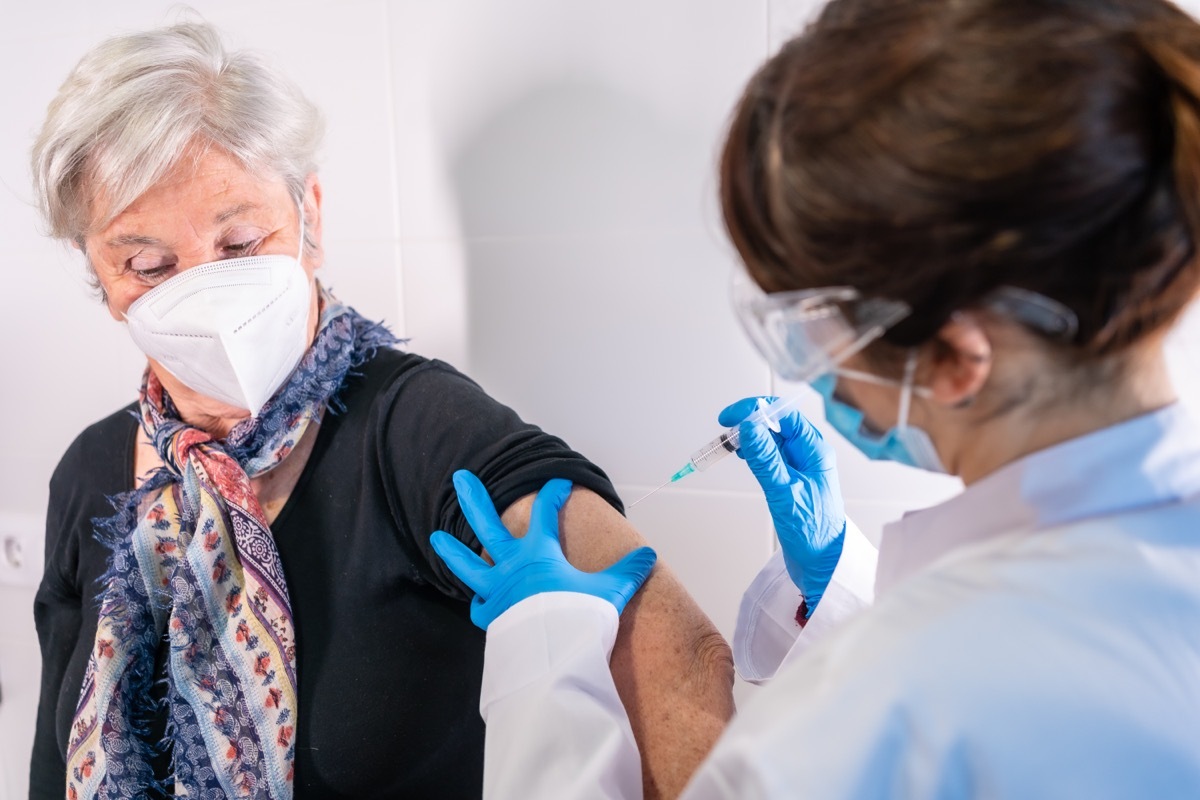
pixel 193 559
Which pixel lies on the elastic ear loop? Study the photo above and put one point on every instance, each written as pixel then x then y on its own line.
pixel 906 388
pixel 878 380
pixel 300 255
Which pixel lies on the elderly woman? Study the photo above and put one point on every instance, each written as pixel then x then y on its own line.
pixel 258 612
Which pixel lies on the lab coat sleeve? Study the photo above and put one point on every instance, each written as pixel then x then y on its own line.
pixel 768 635
pixel 556 727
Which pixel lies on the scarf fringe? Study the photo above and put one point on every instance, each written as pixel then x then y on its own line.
pixel 119 599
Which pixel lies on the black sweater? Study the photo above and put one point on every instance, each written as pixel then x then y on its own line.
pixel 388 661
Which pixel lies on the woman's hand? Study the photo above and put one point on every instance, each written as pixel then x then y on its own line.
pixel 532 564
pixel 796 470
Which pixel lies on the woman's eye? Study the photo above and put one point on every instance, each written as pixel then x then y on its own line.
pixel 241 248
pixel 154 275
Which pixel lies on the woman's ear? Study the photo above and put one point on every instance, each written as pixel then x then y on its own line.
pixel 962 361
pixel 313 220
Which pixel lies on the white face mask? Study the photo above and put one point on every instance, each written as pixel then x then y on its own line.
pixel 231 330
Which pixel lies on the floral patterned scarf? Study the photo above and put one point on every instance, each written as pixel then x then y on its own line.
pixel 193 560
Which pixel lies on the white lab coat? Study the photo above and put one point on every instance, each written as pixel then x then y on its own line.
pixel 1036 636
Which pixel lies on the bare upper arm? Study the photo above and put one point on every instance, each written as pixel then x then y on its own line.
pixel 672 668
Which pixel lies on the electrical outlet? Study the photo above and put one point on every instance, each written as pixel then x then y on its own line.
pixel 21 539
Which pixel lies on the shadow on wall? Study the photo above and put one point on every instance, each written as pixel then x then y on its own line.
pixel 570 159
pixel 583 225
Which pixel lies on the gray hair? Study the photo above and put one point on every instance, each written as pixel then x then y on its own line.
pixel 129 110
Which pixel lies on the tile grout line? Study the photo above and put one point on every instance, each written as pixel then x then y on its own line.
pixel 394 172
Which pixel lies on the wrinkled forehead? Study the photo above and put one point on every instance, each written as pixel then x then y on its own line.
pixel 200 171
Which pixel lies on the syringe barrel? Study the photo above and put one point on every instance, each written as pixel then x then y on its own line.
pixel 716 450
pixel 730 438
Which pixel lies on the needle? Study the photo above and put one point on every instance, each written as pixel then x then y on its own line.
pixel 652 491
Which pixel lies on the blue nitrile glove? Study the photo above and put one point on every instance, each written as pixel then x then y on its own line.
pixel 532 564
pixel 796 470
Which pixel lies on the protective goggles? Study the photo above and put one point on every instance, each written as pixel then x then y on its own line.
pixel 806 334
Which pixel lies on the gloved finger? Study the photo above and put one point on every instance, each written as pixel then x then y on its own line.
pixel 481 613
pixel 631 572
pixel 543 520
pixel 806 448
pixel 467 565
pixel 734 413
pixel 762 455
pixel 481 514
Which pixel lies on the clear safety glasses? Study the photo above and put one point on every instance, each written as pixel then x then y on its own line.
pixel 806 334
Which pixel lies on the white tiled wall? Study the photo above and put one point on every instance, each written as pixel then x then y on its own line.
pixel 526 189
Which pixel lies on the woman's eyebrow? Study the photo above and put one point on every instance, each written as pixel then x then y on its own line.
pixel 230 213
pixel 224 216
pixel 132 238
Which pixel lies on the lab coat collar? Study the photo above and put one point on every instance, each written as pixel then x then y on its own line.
pixel 1145 461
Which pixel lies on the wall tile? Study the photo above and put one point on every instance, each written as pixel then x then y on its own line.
pixel 871 516
pixel 338 56
pixel 20 679
pixel 788 18
pixel 435 300
pixel 51 19
pixel 16 615
pixel 626 346
pixel 366 275
pixel 70 364
pixel 42 64
pixel 580 118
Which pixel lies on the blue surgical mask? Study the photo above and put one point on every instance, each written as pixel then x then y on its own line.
pixel 902 443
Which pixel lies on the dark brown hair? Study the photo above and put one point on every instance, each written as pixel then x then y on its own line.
pixel 932 151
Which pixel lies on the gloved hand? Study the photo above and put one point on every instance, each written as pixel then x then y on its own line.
pixel 796 470
pixel 530 565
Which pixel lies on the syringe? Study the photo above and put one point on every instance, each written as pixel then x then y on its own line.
pixel 729 440
pixel 803 335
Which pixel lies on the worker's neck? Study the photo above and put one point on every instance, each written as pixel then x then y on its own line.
pixel 1142 387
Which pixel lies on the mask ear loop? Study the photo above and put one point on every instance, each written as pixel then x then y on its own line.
pixel 906 388
pixel 878 380
pixel 300 254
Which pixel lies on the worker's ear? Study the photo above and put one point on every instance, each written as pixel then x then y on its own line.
pixel 961 361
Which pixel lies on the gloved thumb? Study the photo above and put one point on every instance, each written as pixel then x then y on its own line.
pixel 734 413
pixel 631 572
pixel 462 561
pixel 481 612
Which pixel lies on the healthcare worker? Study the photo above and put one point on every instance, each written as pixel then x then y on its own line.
pixel 1005 194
